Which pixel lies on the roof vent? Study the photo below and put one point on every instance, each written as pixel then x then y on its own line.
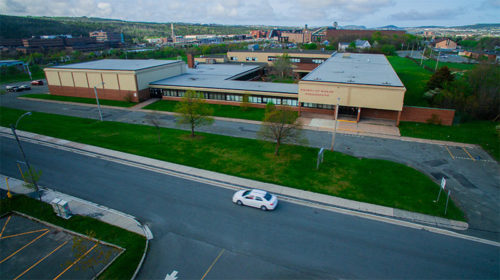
pixel 386 83
pixel 193 78
pixel 350 81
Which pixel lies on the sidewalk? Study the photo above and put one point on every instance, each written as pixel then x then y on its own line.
pixel 344 128
pixel 232 182
pixel 82 207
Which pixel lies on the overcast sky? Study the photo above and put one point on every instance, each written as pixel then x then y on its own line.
pixel 371 13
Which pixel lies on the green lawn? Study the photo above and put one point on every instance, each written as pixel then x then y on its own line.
pixel 226 111
pixel 21 77
pixel 80 100
pixel 452 66
pixel 374 181
pixel 483 133
pixel 413 77
pixel 122 268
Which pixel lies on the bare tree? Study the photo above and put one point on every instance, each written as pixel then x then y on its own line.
pixel 280 125
pixel 81 251
pixel 283 66
pixel 194 111
pixel 154 120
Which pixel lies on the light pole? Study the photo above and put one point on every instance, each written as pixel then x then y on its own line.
pixel 97 99
pixel 437 61
pixel 14 127
pixel 336 121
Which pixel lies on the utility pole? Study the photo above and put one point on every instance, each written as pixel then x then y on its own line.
pixel 336 121
pixel 13 128
pixel 97 99
pixel 437 61
pixel 422 59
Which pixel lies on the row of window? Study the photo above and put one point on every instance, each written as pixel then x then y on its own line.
pixel 251 58
pixel 273 58
pixel 239 98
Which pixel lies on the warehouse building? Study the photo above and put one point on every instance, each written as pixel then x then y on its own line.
pixel 115 79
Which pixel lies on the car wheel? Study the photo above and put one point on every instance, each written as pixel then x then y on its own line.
pixel 263 208
pixel 239 202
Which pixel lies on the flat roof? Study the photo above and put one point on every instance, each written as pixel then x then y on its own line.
pixel 356 68
pixel 219 76
pixel 286 51
pixel 118 64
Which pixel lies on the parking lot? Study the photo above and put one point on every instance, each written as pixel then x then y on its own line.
pixel 33 250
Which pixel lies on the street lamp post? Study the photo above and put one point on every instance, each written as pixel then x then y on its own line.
pixel 14 127
pixel 97 99
pixel 336 121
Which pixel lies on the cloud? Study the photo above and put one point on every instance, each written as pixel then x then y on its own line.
pixel 435 15
pixel 490 4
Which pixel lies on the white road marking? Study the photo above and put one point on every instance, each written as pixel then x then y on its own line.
pixel 171 276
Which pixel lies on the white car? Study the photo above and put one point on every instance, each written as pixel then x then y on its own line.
pixel 256 198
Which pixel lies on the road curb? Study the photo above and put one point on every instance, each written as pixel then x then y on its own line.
pixel 233 182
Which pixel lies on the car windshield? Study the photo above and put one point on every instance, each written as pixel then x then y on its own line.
pixel 245 193
pixel 268 196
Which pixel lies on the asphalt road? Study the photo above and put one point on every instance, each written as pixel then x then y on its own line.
pixel 474 184
pixel 200 233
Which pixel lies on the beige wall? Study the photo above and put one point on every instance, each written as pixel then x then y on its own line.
pixel 52 78
pixel 80 79
pixel 376 97
pixel 127 82
pixel 263 56
pixel 66 79
pixel 154 74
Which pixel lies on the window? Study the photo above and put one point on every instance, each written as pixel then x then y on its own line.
pixel 268 196
pixel 318 61
pixel 248 58
pixel 254 59
pixel 255 99
pixel 271 58
pixel 234 58
pixel 295 60
pixel 230 97
pixel 258 198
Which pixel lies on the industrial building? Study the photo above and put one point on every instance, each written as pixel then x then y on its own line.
pixel 115 79
pixel 363 85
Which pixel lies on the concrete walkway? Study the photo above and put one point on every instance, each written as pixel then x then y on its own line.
pixel 234 183
pixel 363 128
pixel 82 207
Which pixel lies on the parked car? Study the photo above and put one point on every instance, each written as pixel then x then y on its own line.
pixel 12 88
pixel 24 87
pixel 37 83
pixel 256 198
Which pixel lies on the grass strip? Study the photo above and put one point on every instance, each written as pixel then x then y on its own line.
pixel 115 103
pixel 369 180
pixel 226 111
pixel 122 268
pixel 413 77
pixel 483 133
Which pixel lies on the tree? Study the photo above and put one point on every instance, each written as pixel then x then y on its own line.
pixel 193 110
pixel 245 102
pixel 280 125
pixel 153 119
pixel 81 248
pixel 283 66
pixel 438 79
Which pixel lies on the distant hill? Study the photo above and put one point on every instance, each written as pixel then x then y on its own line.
pixel 13 27
pixel 353 27
pixel 389 27
pixel 479 26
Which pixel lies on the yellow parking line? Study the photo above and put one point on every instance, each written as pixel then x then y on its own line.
pixel 24 233
pixel 24 246
pixel 347 129
pixel 3 228
pixel 39 261
pixel 467 152
pixel 77 260
pixel 212 265
pixel 449 152
pixel 348 121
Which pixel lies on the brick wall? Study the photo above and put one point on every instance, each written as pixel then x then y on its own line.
pixel 378 114
pixel 423 114
pixel 108 94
